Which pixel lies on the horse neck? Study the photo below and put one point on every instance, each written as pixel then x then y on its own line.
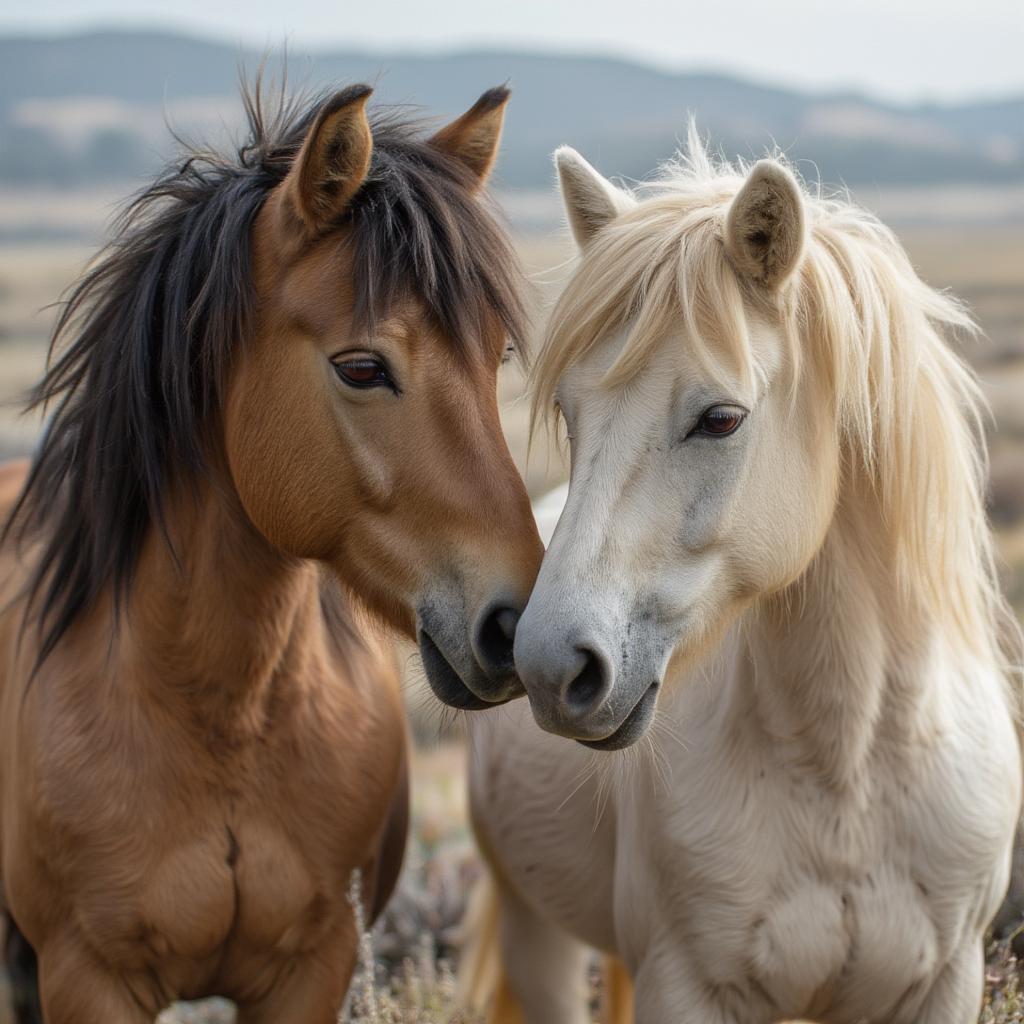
pixel 222 617
pixel 839 661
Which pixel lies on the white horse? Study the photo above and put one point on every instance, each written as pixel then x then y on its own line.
pixel 774 568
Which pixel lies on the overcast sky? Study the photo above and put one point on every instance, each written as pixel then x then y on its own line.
pixel 901 49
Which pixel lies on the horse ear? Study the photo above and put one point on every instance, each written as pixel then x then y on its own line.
pixel 473 139
pixel 333 161
pixel 765 227
pixel 591 201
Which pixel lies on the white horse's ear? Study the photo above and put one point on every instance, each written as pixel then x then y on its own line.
pixel 765 228
pixel 591 201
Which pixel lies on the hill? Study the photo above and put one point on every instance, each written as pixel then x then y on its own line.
pixel 91 107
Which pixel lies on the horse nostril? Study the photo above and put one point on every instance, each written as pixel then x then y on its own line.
pixel 588 688
pixel 507 619
pixel 494 640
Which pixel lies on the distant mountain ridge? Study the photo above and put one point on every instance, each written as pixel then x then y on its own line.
pixel 87 107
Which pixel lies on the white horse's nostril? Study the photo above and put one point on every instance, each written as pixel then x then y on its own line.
pixel 589 687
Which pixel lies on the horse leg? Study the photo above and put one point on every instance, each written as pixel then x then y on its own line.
pixel 956 996
pixel 617 993
pixel 74 988
pixel 312 992
pixel 666 990
pixel 545 969
pixel 382 876
pixel 23 974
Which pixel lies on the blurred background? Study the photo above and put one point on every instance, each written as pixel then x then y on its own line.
pixel 915 106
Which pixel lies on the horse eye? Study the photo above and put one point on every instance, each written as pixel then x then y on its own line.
pixel 363 372
pixel 720 421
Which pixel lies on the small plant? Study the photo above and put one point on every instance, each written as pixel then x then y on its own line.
pixel 422 992
pixel 1004 1000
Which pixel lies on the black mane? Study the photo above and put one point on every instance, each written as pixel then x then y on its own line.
pixel 149 332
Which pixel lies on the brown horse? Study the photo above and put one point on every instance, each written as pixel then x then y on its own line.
pixel 276 433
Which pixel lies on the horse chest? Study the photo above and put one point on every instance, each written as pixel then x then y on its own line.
pixel 186 906
pixel 823 947
pixel 282 902
pixel 828 907
pixel 173 874
pixel 203 896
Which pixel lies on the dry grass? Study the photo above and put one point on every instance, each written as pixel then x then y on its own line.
pixel 1004 1000
pixel 421 992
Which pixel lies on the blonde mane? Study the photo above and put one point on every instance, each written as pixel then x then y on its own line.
pixel 859 323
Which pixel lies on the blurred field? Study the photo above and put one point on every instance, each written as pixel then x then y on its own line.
pixel 984 265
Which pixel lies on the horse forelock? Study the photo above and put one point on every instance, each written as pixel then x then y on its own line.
pixel 146 340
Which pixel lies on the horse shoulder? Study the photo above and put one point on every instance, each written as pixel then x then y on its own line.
pixel 341 806
pixel 962 812
pixel 544 812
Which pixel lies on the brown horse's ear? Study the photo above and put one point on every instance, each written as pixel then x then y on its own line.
pixel 473 138
pixel 333 162
pixel 765 227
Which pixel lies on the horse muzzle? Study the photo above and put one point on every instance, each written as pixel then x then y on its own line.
pixel 470 666
pixel 599 691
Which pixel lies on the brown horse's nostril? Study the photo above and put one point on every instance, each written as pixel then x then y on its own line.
pixel 494 639
pixel 507 619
